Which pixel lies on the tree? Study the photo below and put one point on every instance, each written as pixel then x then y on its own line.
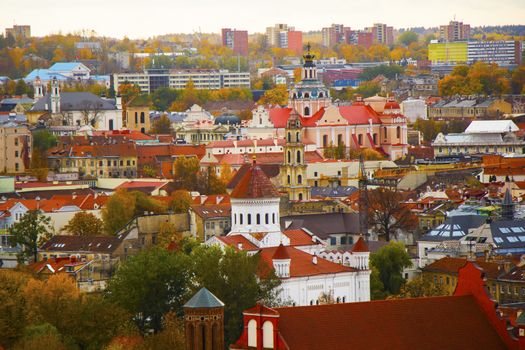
pixel 144 203
pixel 43 140
pixel 518 80
pixel 42 336
pixel 389 72
pixel 84 224
pixel 275 96
pixel 21 87
pixel 12 305
pixel 377 289
pixel 161 125
pixel 119 209
pixel 186 170
pixel 408 38
pixel 387 215
pixel 237 279
pixel 172 337
pixel 421 286
pixel 162 98
pixel 29 233
pixel 150 284
pixel 226 173
pixel 390 261
pixel 429 128
pixel 180 201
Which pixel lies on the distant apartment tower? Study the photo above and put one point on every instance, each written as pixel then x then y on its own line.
pixel 365 39
pixel 237 40
pixel 286 37
pixel 454 31
pixel 295 42
pixel 273 34
pixel 19 32
pixel 335 34
pixel 383 34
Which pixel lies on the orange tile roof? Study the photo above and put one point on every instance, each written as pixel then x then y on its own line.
pixel 302 264
pixel 255 184
pixel 299 238
pixel 236 240
pixel 452 265
pixel 360 246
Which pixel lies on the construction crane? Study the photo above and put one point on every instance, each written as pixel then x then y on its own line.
pixel 363 199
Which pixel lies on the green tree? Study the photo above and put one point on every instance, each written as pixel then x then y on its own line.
pixel 21 87
pixel 407 38
pixel 119 209
pixel 387 214
pixel 42 336
pixel 186 170
pixel 366 89
pixel 161 125
pixel 377 289
pixel 29 233
pixel 150 284
pixel 144 203
pixel 237 279
pixel 389 72
pixel 390 261
pixel 84 224
pixel 172 336
pixel 43 140
pixel 162 98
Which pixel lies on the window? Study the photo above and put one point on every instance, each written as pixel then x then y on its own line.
pixel 325 140
pixel 258 219
pixel 240 219
pixel 360 139
pixel 252 333
pixel 307 111
pixel 16 154
pixel 297 137
pixel 267 331
pixel 266 218
pixel 17 167
pixel 343 240
pixel 300 196
pixel 448 280
pixel 299 157
pixel 333 241
pixel 136 117
pixel 289 157
pixel 289 179
pixel 142 119
pixel 398 132
pixel 273 218
pixel 299 179
pixel 249 219
pixel 289 137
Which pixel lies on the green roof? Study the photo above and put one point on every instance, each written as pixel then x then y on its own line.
pixel 204 299
pixel 140 101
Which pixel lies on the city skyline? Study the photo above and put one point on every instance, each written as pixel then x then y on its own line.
pixel 210 17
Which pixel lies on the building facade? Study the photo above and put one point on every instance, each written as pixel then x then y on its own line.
pixel 237 40
pixel 454 31
pixel 15 144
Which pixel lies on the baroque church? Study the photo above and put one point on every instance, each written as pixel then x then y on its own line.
pixel 357 126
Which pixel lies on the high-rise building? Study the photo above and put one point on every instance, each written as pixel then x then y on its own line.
pixel 365 39
pixel 295 41
pixel 273 34
pixel 19 32
pixel 504 52
pixel 237 40
pixel 454 31
pixel 335 34
pixel 383 34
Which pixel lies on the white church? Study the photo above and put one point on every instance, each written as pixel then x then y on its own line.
pixel 295 255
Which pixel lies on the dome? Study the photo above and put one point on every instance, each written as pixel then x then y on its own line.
pixel 228 119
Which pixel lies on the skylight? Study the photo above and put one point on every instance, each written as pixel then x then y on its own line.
pixel 498 240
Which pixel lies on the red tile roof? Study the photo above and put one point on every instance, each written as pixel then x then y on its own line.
pixel 255 184
pixel 281 253
pixel 279 116
pixel 302 264
pixel 360 246
pixel 452 265
pixel 235 240
pixel 299 238
pixel 455 322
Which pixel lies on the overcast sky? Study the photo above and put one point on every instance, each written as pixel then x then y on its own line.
pixel 142 19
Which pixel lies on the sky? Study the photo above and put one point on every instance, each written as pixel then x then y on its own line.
pixel 143 19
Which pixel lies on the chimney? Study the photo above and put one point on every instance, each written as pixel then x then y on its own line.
pixel 239 246
pixel 314 260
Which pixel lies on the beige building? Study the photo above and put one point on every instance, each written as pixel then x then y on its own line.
pixel 469 108
pixel 15 143
pixel 136 114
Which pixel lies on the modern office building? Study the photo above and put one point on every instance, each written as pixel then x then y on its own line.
pixel 503 52
pixel 207 79
pixel 237 40
pixel 454 31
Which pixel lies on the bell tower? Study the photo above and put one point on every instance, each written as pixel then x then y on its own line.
pixel 55 96
pixel 204 322
pixel 39 89
pixel 293 170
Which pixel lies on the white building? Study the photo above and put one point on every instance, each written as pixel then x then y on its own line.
pixel 294 254
pixel 414 109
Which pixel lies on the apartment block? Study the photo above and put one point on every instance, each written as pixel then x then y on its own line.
pixel 237 40
pixel 19 32
pixel 454 31
pixel 206 79
pixel 15 142
pixel 335 34
pixel 383 34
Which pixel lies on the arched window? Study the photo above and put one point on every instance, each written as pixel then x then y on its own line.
pixel 240 219
pixel 273 218
pixel 203 335
pixel 267 330
pixel 142 118
pixel 289 179
pixel 306 95
pixel 384 133
pixel 192 337
pixel 266 218
pixel 300 196
pixel 258 219
pixel 235 219
pixel 398 132
pixel 321 94
pixel 306 110
pixel 298 136
pixel 142 130
pixel 299 179
pixel 289 157
pixel 289 137
pixel 136 117
pixel 215 338
pixel 299 157
pixel 252 333
pixel 249 219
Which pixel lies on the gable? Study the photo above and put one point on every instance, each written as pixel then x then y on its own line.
pixel 332 116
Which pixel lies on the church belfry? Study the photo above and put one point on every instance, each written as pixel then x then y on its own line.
pixel 293 170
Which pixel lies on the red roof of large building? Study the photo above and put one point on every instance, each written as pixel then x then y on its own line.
pixel 255 184
pixel 360 246
pixel 303 264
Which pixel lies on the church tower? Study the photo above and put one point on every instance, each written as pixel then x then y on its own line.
pixel 204 322
pixel 55 96
pixel 39 89
pixel 309 95
pixel 293 170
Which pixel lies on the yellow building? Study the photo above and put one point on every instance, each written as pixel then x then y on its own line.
pixel 448 52
pixel 136 114
pixel 15 142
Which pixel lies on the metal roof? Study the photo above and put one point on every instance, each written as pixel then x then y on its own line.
pixel 204 299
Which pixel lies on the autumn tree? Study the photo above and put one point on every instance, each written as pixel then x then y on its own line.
pixel 421 286
pixel 180 201
pixel 390 261
pixel 43 140
pixel 161 125
pixel 31 231
pixel 407 38
pixel 226 173
pixel 42 336
pixel 84 224
pixel 172 336
pixel 275 96
pixel 186 170
pixel 12 305
pixel 387 214
pixel 118 210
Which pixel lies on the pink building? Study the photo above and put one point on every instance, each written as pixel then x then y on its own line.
pixel 295 41
pixel 237 40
